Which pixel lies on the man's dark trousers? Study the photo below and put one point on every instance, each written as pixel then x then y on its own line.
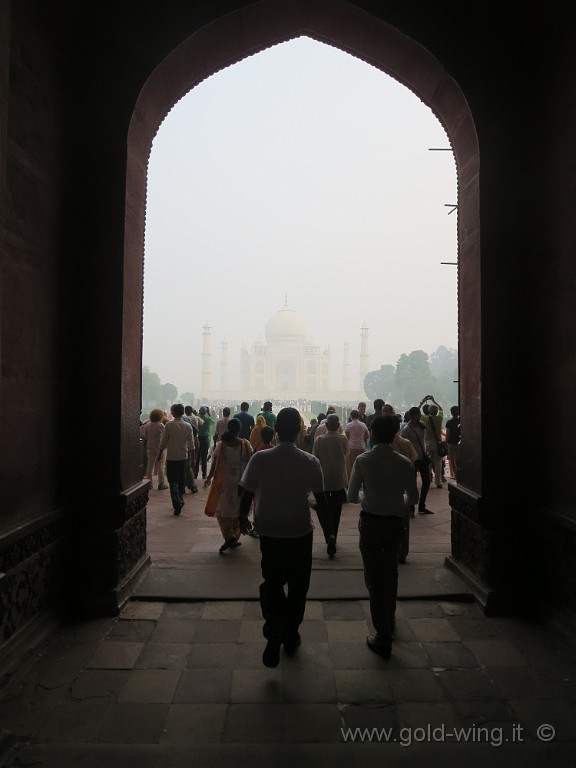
pixel 176 474
pixel 423 469
pixel 379 543
pixel 284 562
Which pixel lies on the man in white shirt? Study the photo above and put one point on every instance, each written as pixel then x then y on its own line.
pixel 281 479
pixel 389 483
pixel 178 441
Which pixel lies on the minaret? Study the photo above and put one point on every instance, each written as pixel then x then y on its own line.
pixel 346 367
pixel 206 361
pixel 364 354
pixel 224 367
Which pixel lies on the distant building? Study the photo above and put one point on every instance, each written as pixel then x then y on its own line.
pixel 286 364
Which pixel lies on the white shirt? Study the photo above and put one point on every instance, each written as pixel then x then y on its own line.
pixel 357 433
pixel 388 480
pixel 282 478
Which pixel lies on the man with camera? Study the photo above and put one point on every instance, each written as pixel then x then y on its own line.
pixel 415 431
pixel 433 425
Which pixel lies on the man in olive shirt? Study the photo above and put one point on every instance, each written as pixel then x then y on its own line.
pixel 269 417
pixel 389 483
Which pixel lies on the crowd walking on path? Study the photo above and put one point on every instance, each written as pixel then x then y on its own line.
pixel 275 470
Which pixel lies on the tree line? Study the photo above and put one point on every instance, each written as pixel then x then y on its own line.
pixel 416 374
pixel 157 394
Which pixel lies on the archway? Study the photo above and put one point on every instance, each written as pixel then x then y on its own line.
pixel 253 29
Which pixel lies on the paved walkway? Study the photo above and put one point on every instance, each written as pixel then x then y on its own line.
pixel 181 684
pixel 186 564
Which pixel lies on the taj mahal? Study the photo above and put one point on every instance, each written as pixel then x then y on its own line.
pixel 286 363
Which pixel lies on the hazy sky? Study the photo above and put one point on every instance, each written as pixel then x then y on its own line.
pixel 307 172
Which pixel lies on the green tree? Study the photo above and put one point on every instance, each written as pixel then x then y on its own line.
pixel 150 387
pixel 168 393
pixel 187 397
pixel 381 383
pixel 413 378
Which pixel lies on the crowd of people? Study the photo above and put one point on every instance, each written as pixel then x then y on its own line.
pixel 264 472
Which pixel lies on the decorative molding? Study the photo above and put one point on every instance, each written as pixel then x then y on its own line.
pixel 466 502
pixel 22 543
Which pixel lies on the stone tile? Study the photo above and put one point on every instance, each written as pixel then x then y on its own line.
pixel 22 721
pixel 430 630
pixel 424 714
pixel 403 631
pixel 534 714
pixel 59 665
pixel 134 723
pixel 421 609
pixel 472 610
pixel 175 631
pixel 414 685
pixel 312 723
pixel 75 721
pixel 450 655
pixel 479 712
pixel 254 723
pixel 365 605
pixel 152 686
pixel 137 609
pixel 223 611
pixel 468 685
pixel 183 611
pixel 248 656
pixel 93 630
pixel 311 684
pixel 521 683
pixel 251 631
pixel 163 656
pixel 309 655
pixel 252 610
pixel 343 610
pixel 115 655
pixel 313 631
pixel 362 685
pixel 355 656
pixel 407 656
pixel 496 653
pixel 194 723
pixel 474 628
pixel 214 655
pixel 204 685
pixel 254 685
pixel 99 683
pixel 314 611
pixel 132 631
pixel 375 715
pixel 218 631
pixel 347 631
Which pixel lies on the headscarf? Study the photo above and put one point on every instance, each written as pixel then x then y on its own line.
pixel 255 437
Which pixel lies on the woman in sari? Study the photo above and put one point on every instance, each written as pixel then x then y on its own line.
pixel 255 436
pixel 231 455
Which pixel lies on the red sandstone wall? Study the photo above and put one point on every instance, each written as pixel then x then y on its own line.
pixel 34 380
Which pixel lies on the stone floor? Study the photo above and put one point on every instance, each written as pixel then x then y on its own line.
pixel 182 683
pixel 174 680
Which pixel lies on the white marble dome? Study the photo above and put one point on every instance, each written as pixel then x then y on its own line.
pixel 285 325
